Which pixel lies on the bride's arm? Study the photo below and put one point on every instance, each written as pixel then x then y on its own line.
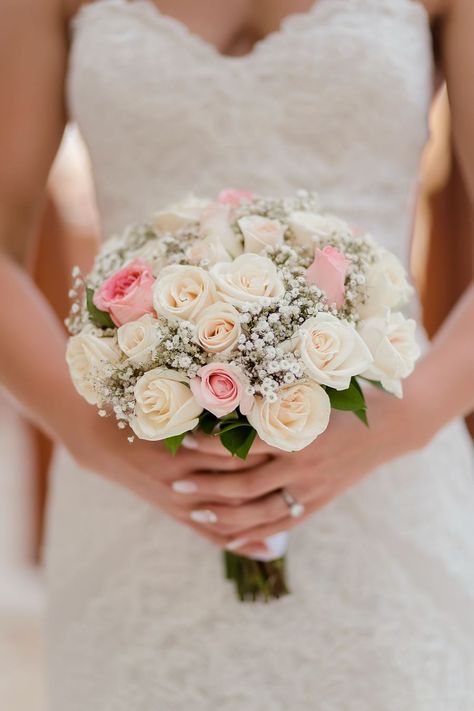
pixel 446 375
pixel 450 364
pixel 440 389
pixel 33 54
pixel 32 65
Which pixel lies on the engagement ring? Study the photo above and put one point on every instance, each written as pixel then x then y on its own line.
pixel 295 508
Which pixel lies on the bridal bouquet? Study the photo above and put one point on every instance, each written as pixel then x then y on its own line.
pixel 239 317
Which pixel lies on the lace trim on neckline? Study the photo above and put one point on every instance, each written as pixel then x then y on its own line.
pixel 288 24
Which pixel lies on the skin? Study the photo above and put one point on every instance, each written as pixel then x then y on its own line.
pixel 245 501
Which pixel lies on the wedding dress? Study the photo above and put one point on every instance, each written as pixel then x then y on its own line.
pixel 382 612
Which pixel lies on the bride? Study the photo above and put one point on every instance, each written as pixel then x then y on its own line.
pixel 270 96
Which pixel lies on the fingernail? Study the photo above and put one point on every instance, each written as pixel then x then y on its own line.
pixel 238 543
pixel 203 516
pixel 190 442
pixel 184 487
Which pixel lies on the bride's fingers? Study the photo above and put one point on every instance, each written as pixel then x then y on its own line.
pixel 186 466
pixel 186 463
pixel 202 463
pixel 234 519
pixel 237 484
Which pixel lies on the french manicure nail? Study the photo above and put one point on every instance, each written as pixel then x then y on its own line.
pixel 184 487
pixel 190 442
pixel 238 543
pixel 203 516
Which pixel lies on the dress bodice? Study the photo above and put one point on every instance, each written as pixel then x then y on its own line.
pixel 335 101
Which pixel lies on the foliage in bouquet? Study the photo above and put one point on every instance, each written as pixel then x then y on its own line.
pixel 241 316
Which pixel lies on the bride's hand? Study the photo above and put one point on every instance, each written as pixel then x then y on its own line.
pixel 337 460
pixel 146 468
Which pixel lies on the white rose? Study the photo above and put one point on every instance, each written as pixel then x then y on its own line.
pixel 387 286
pixel 309 227
pixel 218 327
pixel 300 414
pixel 332 351
pixel 249 278
pixel 260 232
pixel 209 249
pixel 183 291
pixel 215 225
pixel 165 406
pixel 391 340
pixel 87 355
pixel 138 339
pixel 179 215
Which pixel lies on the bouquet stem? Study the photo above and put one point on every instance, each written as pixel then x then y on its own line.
pixel 255 579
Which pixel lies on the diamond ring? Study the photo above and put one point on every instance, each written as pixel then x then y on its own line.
pixel 294 507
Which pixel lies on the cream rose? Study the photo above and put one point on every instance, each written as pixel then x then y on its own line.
pixel 332 351
pixel 218 327
pixel 387 286
pixel 138 339
pixel 180 215
pixel 391 341
pixel 165 406
pixel 87 355
pixel 182 292
pixel 309 227
pixel 209 249
pixel 249 278
pixel 299 415
pixel 215 226
pixel 260 232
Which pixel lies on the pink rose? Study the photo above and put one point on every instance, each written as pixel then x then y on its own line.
pixel 128 294
pixel 220 388
pixel 328 273
pixel 232 197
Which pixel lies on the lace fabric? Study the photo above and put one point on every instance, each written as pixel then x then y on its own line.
pixel 381 616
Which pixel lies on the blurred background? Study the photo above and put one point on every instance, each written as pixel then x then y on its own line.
pixel 67 235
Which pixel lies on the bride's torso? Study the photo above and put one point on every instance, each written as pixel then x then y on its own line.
pixel 335 101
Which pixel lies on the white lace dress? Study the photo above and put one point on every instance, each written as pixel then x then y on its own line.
pixel 382 612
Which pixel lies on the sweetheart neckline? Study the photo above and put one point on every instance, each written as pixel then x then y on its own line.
pixel 181 28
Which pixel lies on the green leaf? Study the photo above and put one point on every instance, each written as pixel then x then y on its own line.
pixel 172 444
pixel 350 399
pixel 362 415
pixel 244 448
pixel 208 422
pixel 238 440
pixel 356 384
pixel 232 426
pixel 99 318
pixel 232 416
